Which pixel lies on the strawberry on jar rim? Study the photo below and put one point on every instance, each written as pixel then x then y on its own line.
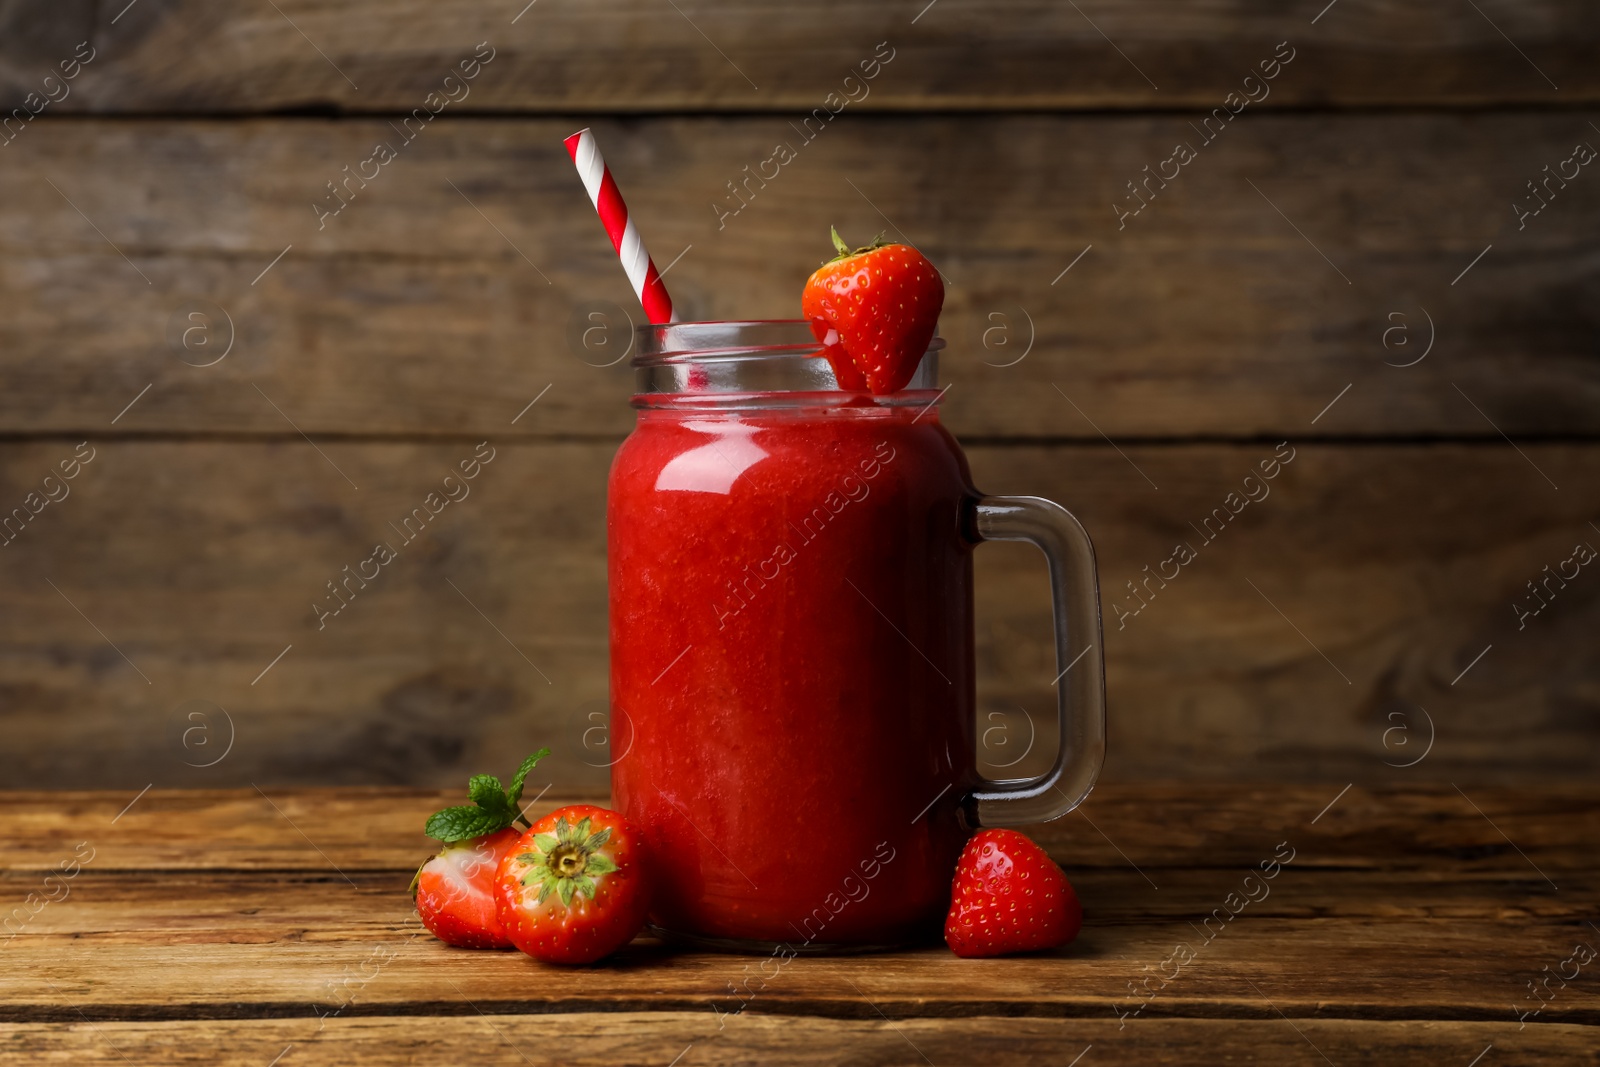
pixel 454 890
pixel 573 889
pixel 875 310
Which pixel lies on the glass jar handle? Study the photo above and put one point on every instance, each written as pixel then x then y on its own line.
pixel 1080 681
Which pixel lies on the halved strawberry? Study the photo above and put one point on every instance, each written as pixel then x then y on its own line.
pixel 875 310
pixel 573 890
pixel 1009 896
pixel 454 890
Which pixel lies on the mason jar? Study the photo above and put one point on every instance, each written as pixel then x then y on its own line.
pixel 792 665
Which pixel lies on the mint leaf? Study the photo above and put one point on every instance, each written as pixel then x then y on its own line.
pixel 515 792
pixel 493 807
pixel 485 791
pixel 459 824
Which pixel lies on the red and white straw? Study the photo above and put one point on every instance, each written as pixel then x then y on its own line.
pixel 619 227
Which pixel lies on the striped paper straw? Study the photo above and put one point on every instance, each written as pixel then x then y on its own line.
pixel 624 235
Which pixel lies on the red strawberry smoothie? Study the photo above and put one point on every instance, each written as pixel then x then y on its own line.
pixel 791 668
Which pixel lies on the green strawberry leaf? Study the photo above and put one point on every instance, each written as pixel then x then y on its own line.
pixel 545 842
pixel 581 834
pixel 583 884
pixel 459 824
pixel 845 251
pixel 598 863
pixel 598 839
pixel 515 792
pixel 564 887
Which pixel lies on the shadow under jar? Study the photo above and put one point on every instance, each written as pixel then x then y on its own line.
pixel 792 684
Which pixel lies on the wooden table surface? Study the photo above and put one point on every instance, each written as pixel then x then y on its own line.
pixel 273 927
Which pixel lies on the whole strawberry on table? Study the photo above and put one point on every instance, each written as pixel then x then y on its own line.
pixel 571 890
pixel 1009 896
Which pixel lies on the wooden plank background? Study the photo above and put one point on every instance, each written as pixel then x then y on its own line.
pixel 1206 316
pixel 1282 288
pixel 640 56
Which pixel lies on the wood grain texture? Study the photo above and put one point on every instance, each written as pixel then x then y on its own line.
pixel 223 924
pixel 1293 963
pixel 1397 834
pixel 1381 912
pixel 651 1039
pixel 443 298
pixel 1289 647
pixel 132 907
pixel 566 56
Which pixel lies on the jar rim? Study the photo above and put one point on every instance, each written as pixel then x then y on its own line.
pixel 662 344
pixel 752 362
